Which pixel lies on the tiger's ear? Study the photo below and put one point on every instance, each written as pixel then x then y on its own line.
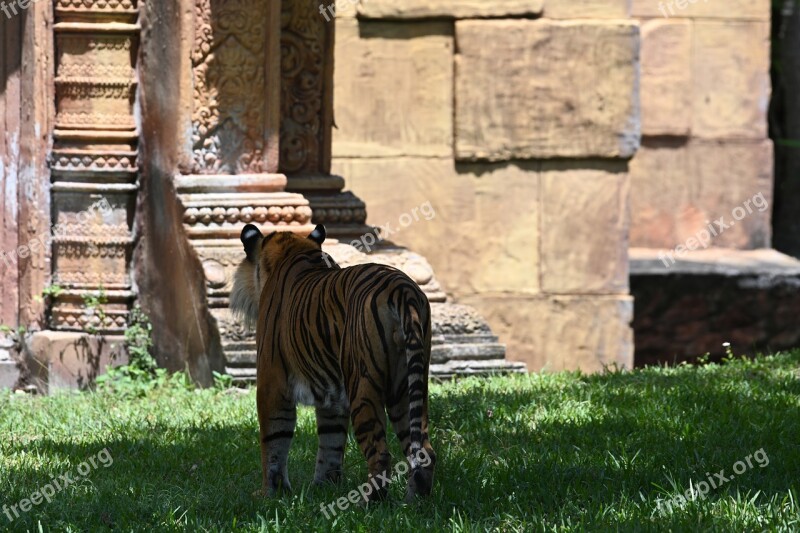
pixel 251 237
pixel 319 234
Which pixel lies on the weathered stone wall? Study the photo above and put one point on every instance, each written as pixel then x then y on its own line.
pixel 705 95
pixel 516 129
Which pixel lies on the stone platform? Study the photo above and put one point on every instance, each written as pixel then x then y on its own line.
pixel 690 307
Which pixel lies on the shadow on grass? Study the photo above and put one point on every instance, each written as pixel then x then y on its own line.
pixel 567 451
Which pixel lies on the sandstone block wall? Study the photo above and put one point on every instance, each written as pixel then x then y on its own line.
pixel 705 150
pixel 515 122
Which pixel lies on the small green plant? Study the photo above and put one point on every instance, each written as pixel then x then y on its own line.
pixel 139 342
pixel 141 374
pixel 729 355
pixel 222 382
pixel 49 293
pixel 12 332
pixel 93 302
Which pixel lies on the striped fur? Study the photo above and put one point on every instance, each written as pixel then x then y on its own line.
pixel 353 342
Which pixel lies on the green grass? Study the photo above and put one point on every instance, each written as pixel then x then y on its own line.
pixel 521 453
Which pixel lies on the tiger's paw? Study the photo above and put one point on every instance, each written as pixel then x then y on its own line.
pixel 331 477
pixel 419 484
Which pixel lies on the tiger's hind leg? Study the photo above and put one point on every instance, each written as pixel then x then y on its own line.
pixel 422 459
pixel 332 431
pixel 420 480
pixel 277 416
pixel 369 423
pixel 408 406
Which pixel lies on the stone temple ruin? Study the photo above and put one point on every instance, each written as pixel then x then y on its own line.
pixel 183 121
pixel 574 152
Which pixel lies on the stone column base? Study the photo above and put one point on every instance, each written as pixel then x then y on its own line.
pixel 343 213
pixel 462 343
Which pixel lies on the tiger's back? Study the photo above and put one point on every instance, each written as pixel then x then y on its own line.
pixel 324 322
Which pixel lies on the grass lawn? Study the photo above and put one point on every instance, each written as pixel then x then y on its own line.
pixel 520 453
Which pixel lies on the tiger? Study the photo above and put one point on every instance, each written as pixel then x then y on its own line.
pixel 354 343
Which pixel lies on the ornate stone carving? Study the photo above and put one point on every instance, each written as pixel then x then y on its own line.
pixel 272 215
pixel 307 119
pixel 66 119
pixel 116 7
pixel 229 178
pixel 112 71
pixel 219 263
pixel 82 319
pixel 78 89
pixel 339 209
pixel 222 215
pixel 343 213
pixel 234 330
pixel 455 319
pixel 93 163
pixel 91 251
pixel 229 119
pixel 83 97
pixel 306 108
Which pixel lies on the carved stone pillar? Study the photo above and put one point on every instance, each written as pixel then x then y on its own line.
pixel 229 171
pixel 307 42
pixel 94 163
pixel 463 343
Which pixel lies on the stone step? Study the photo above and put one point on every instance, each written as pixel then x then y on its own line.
pixel 467 351
pixel 475 368
pixel 687 305
pixel 242 375
pixel 439 354
pixel 247 375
